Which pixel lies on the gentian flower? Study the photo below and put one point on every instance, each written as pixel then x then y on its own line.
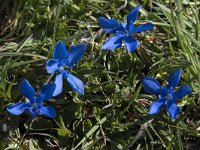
pixel 34 104
pixel 63 58
pixel 166 94
pixel 123 31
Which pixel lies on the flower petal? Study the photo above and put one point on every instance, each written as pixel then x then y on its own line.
pixel 174 78
pixel 33 112
pixel 27 90
pixel 156 106
pixel 144 27
pixel 46 92
pixel 59 84
pixel 151 85
pixel 75 83
pixel 18 108
pixel 60 51
pixel 48 111
pixel 75 54
pixel 130 27
pixel 113 42
pixel 173 110
pixel 131 43
pixel 122 26
pixel 133 14
pixel 52 66
pixel 182 91
pixel 108 25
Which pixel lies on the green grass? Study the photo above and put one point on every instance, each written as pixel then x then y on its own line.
pixel 113 113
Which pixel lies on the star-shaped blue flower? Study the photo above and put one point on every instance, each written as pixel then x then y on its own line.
pixel 61 59
pixel 123 31
pixel 34 104
pixel 166 94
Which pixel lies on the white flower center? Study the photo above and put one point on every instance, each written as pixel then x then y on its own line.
pixel 169 96
pixel 34 105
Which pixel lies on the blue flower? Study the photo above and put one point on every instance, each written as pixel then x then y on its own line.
pixel 123 31
pixel 34 104
pixel 166 94
pixel 62 58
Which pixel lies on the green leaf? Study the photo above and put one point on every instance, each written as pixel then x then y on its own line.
pixel 63 131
